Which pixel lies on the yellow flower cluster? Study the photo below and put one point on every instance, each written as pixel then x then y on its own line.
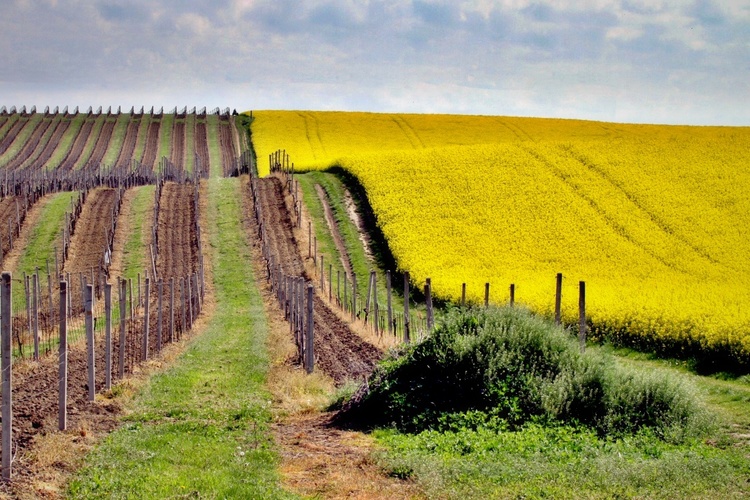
pixel 655 219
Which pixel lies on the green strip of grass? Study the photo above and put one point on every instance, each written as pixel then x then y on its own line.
pixel 190 142
pixel 115 142
pixel 134 254
pixel 88 149
pixel 66 142
pixel 45 236
pixel 165 146
pixel 200 429
pixel 214 151
pixel 140 145
pixel 21 138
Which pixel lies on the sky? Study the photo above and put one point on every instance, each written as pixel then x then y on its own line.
pixel 677 62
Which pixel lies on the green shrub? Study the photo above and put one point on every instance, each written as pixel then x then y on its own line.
pixel 505 367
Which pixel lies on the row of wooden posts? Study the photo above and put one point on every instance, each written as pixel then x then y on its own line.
pixel 279 162
pixel 169 328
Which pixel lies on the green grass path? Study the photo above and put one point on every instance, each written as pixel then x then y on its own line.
pixel 200 428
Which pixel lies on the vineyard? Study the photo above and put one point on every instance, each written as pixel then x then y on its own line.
pixel 651 217
pixel 64 177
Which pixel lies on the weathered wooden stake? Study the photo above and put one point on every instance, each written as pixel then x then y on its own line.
pixel 558 298
pixel 309 349
pixel 428 300
pixel 463 294
pixel 107 336
pixel 123 311
pixel 62 413
pixel 582 314
pixel 407 338
pixel 390 301
pixel 35 313
pixel 512 295
pixel 171 309
pixel 88 305
pixel 146 322
pixel 159 315
pixel 7 371
pixel 486 294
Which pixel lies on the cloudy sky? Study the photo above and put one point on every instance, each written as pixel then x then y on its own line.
pixel 615 60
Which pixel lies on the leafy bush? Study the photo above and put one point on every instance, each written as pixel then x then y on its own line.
pixel 505 367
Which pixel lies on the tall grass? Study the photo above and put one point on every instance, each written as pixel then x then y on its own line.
pixel 505 368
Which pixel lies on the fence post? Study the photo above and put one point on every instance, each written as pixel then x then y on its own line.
pixel 322 274
pixel 121 353
pixel 183 327
pixel 35 313
pixel 558 298
pixel 330 282
pixel 171 309
pixel 428 300
pixel 7 370
pixel 512 294
pixel 159 315
pixel 309 239
pixel 146 321
pixel 354 296
pixel 582 314
pixel 309 349
pixel 389 299
pixel 486 294
pixel 407 338
pixel 463 294
pixel 63 359
pixel 107 336
pixel 367 299
pixel 88 303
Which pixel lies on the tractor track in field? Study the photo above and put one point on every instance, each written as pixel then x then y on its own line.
pixel 339 352
pixel 201 144
pixel 178 144
pixel 49 148
pixel 129 142
pixel 152 143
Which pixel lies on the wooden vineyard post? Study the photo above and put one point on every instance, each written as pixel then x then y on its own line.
pixel 322 274
pixel 7 369
pixel 35 313
pixel 389 294
pixel 146 321
pixel 309 239
pixel 512 295
pixel 88 305
pixel 367 298
pixel 428 300
pixel 140 302
pixel 406 308
pixel 330 282
pixel 374 280
pixel 558 298
pixel 315 251
pixel 486 295
pixel 159 315
pixel 171 309
pixel 346 292
pixel 582 314
pixel 121 352
pixel 107 336
pixel 309 350
pixel 189 301
pixel 183 312
pixel 300 309
pixel 62 413
pixel 463 294
pixel 354 296
pixel 338 287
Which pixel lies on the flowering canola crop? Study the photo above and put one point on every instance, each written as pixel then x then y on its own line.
pixel 655 219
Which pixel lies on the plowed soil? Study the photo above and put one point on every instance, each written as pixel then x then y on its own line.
pixel 30 146
pixel 15 129
pixel 178 241
pixel 7 213
pixel 102 144
pixel 339 352
pixel 77 148
pixel 49 148
pixel 201 144
pixel 129 143
pixel 152 144
pixel 178 144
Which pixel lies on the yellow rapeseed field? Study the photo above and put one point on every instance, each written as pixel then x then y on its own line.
pixel 655 219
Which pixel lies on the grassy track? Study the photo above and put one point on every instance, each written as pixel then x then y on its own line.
pixel 135 247
pixel 165 146
pixel 115 142
pixel 66 142
pixel 45 234
pixel 199 429
pixel 140 145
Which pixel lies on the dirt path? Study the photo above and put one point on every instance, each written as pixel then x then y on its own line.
pixel 318 459
pixel 334 229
